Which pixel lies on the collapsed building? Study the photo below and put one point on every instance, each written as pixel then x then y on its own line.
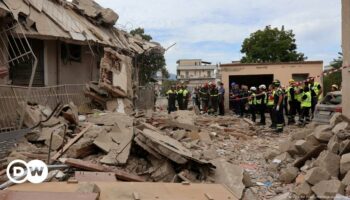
pixel 71 43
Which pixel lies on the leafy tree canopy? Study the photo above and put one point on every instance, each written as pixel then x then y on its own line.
pixel 141 32
pixel 271 45
pixel 151 61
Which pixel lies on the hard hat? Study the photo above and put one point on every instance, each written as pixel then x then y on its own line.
pixel 262 87
pixel 253 88
pixel 335 86
pixel 291 81
pixel 277 83
pixel 233 84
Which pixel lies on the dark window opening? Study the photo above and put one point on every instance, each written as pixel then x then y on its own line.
pixel 300 77
pixel 71 52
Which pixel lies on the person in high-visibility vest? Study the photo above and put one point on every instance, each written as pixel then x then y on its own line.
pixel 213 100
pixel 298 98
pixel 306 105
pixel 261 104
pixel 171 95
pixel 270 104
pixel 291 95
pixel 179 95
pixel 278 106
pixel 186 96
pixel 204 97
pixel 316 93
pixel 252 103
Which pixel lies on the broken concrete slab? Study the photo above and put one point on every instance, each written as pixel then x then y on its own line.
pixel 329 161
pixel 303 190
pixel 346 179
pixel 164 145
pixel 315 175
pixel 323 133
pixel 342 126
pixel 56 141
pixel 164 172
pixel 230 175
pixel 288 174
pixel 81 149
pixel 328 189
pixel 345 163
pixel 303 146
pixel 104 142
pixel 333 144
pixel 120 174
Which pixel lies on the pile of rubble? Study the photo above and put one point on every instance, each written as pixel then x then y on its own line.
pixel 114 91
pixel 181 147
pixel 316 160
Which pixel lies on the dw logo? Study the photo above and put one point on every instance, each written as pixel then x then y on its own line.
pixel 35 171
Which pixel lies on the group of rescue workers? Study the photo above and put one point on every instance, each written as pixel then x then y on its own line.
pixel 296 99
pixel 208 98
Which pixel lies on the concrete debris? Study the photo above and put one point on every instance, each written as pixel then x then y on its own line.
pixel 345 163
pixel 303 146
pixel 324 156
pixel 288 175
pixel 346 179
pixel 341 127
pixel 250 194
pixel 303 190
pixel 315 175
pixel 328 189
pixel 230 175
pixel 330 162
pixel 323 133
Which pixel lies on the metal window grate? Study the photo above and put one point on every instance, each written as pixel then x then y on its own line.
pixel 16 50
pixel 11 96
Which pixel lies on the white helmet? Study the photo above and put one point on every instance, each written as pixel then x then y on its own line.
pixel 253 89
pixel 262 87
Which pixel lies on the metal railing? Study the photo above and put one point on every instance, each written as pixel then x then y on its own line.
pixel 11 97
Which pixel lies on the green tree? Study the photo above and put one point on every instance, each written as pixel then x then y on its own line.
pixel 333 78
pixel 151 61
pixel 271 45
pixel 141 31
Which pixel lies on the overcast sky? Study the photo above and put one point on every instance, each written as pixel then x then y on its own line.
pixel 214 30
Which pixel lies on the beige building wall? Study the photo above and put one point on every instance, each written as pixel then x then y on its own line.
pixel 57 72
pixel 280 71
pixel 346 55
pixel 50 62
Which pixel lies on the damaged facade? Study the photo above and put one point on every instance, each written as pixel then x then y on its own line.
pixel 69 40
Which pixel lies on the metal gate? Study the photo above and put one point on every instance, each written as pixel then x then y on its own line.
pixel 145 98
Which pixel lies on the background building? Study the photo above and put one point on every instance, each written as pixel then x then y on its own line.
pixel 346 55
pixel 196 72
pixel 264 73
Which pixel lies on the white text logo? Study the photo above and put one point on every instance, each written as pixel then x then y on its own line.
pixel 35 171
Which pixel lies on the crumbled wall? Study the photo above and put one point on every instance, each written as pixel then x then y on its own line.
pixel 116 71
